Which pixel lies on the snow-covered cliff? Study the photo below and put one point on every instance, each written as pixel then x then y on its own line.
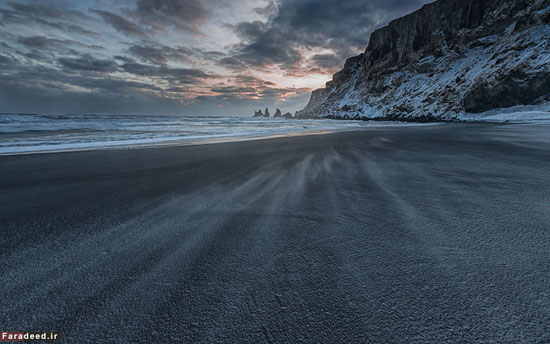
pixel 447 60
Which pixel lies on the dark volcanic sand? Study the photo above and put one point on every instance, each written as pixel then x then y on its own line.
pixel 437 234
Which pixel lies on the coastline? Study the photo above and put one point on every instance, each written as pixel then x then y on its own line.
pixel 437 233
pixel 172 143
pixel 122 145
pixel 267 128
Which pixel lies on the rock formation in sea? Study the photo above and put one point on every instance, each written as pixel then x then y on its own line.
pixel 258 113
pixel 278 114
pixel 448 59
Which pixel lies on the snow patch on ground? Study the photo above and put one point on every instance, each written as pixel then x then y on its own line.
pixel 517 114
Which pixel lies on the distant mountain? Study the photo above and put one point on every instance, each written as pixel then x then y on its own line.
pixel 450 58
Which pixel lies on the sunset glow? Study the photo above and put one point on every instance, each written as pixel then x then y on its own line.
pixel 178 56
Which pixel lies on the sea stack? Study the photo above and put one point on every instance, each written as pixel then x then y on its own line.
pixel 258 113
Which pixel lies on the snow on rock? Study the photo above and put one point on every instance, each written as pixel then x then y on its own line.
pixel 523 114
pixel 447 60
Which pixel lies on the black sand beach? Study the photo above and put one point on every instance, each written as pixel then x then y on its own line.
pixel 435 234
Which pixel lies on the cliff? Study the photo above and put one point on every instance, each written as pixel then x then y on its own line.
pixel 450 58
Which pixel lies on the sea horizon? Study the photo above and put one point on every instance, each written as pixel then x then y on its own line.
pixel 275 171
pixel 32 133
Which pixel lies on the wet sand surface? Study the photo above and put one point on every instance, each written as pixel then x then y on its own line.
pixel 436 234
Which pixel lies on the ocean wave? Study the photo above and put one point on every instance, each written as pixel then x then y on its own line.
pixel 21 133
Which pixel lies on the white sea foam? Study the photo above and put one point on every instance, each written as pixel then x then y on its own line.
pixel 33 133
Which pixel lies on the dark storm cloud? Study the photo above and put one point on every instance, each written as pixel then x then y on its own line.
pixel 173 75
pixel 88 63
pixel 38 45
pixel 155 53
pixel 43 42
pixel 342 26
pixel 44 92
pixel 40 11
pixel 36 88
pixel 10 50
pixel 120 23
pixel 326 60
pixel 48 80
pixel 45 15
pixel 177 14
pixel 57 55
pixel 164 74
pixel 161 54
pixel 119 86
pixel 264 46
pixel 149 54
pixel 6 60
pixel 38 49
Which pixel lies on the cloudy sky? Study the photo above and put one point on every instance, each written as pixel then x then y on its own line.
pixel 191 57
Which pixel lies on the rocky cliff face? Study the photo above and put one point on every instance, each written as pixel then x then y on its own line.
pixel 450 58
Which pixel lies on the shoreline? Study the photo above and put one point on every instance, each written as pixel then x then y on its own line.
pixel 514 115
pixel 172 143
pixel 312 235
pixel 208 140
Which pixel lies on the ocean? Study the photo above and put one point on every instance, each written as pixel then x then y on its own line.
pixel 24 133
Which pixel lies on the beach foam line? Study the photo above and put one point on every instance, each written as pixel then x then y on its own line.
pixel 155 143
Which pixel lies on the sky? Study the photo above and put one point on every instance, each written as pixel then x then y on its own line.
pixel 189 57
